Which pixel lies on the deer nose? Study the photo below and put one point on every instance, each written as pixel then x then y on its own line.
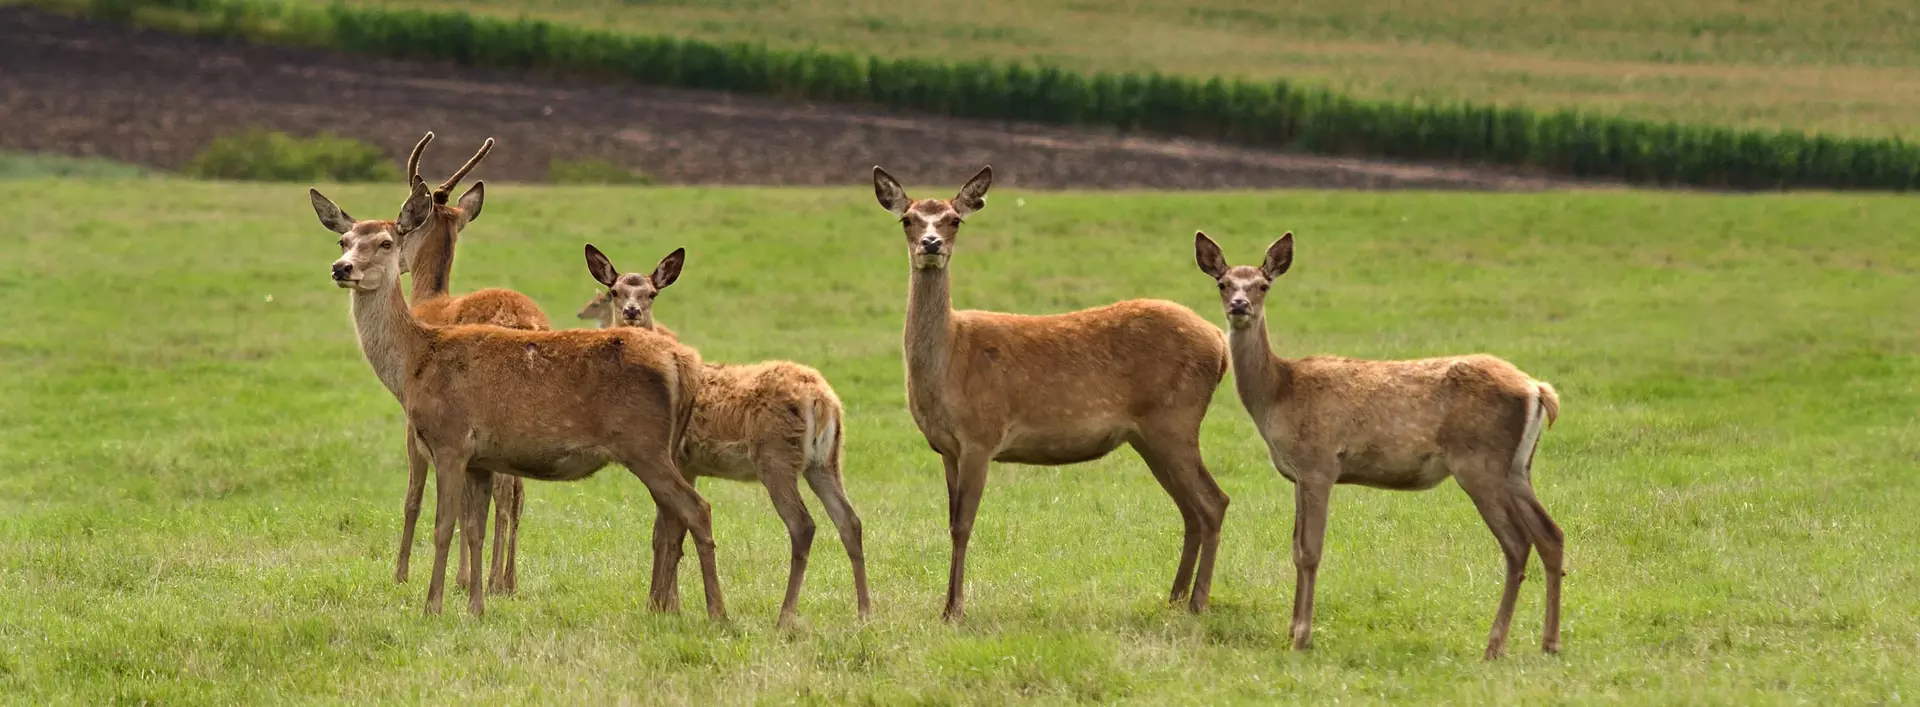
pixel 930 244
pixel 631 312
pixel 342 271
pixel 1238 306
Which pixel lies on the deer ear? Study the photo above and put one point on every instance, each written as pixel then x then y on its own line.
pixel 973 196
pixel 330 215
pixel 595 307
pixel 471 201
pixel 892 196
pixel 601 267
pixel 1279 257
pixel 1207 254
pixel 669 268
pixel 415 212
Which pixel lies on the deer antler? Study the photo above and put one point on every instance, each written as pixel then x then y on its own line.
pixel 440 195
pixel 413 159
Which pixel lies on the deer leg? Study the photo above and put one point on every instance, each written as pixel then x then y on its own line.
pixel 1211 503
pixel 479 492
pixel 410 513
pixel 1545 535
pixel 826 483
pixel 678 497
pixel 668 536
pixel 513 538
pixel 781 475
pixel 1310 507
pixel 966 480
pixel 669 544
pixel 1490 496
pixel 1182 499
pixel 506 504
pixel 1175 453
pixel 449 499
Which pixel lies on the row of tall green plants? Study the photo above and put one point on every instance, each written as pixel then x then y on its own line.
pixel 1265 113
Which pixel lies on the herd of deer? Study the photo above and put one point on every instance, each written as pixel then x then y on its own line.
pixel 489 388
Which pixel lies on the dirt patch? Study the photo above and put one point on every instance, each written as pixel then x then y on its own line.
pixel 88 88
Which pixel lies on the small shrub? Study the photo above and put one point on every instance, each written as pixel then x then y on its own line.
pixel 592 170
pixel 268 156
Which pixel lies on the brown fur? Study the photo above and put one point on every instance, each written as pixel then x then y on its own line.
pixel 1058 389
pixel 555 405
pixel 773 422
pixel 1403 425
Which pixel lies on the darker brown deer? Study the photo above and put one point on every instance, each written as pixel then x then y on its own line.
pixel 774 422
pixel 1398 425
pixel 1051 390
pixel 428 253
pixel 552 405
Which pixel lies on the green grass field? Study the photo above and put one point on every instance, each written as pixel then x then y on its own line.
pixel 1849 68
pixel 205 477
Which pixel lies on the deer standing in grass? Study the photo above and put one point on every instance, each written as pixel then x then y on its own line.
pixel 428 253
pixel 1398 425
pixel 772 422
pixel 1051 390
pixel 552 405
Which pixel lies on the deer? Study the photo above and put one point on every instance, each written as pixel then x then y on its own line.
pixel 1396 425
pixel 550 405
pixel 772 422
pixel 431 248
pixel 1056 389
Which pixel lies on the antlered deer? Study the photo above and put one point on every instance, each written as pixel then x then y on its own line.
pixel 552 405
pixel 428 253
pixel 1057 389
pixel 1400 425
pixel 772 422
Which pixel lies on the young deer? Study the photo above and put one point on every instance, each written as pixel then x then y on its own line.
pixel 553 405
pixel 1398 425
pixel 772 422
pixel 428 253
pixel 1058 389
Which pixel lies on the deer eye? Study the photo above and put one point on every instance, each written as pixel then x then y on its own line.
pixel 1263 287
pixel 1223 286
pixel 343 242
pixel 904 221
pixel 386 244
pixel 956 222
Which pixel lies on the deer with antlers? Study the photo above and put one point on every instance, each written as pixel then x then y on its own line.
pixel 552 405
pixel 1398 425
pixel 1050 390
pixel 773 422
pixel 428 253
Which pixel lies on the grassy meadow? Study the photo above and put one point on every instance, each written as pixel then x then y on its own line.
pixel 205 477
pixel 1846 68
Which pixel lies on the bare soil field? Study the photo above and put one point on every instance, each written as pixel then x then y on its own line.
pixel 88 88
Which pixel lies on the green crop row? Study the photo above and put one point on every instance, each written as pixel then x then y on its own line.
pixel 1264 113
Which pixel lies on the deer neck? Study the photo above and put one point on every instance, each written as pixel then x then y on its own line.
pixel 388 333
pixel 1261 378
pixel 929 331
pixel 433 263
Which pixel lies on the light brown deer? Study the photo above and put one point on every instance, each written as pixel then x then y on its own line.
pixel 428 253
pixel 772 422
pixel 1058 389
pixel 1398 425
pixel 553 405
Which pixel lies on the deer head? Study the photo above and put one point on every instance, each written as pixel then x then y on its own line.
pixel 371 251
pixel 475 196
pixel 931 225
pixel 628 300
pixel 1243 289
